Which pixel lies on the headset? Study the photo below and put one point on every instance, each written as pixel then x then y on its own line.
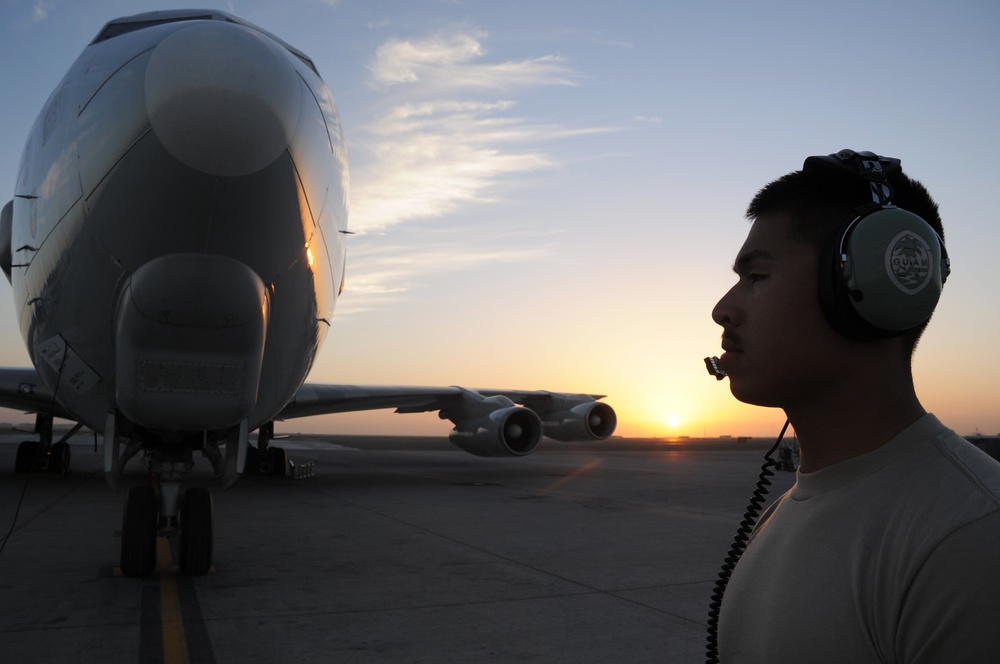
pixel 882 272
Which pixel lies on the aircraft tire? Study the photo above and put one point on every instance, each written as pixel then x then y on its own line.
pixel 195 549
pixel 138 555
pixel 25 460
pixel 59 459
pixel 278 461
pixel 252 466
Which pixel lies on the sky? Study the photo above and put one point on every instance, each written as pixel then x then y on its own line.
pixel 550 194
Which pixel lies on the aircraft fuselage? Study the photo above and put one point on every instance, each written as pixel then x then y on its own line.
pixel 177 230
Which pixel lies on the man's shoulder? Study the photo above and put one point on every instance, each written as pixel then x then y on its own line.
pixel 940 482
pixel 968 465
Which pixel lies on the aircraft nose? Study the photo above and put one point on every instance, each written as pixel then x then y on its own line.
pixel 222 98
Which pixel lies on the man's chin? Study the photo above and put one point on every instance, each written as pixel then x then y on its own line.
pixel 754 395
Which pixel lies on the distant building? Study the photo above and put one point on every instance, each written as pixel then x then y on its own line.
pixel 988 444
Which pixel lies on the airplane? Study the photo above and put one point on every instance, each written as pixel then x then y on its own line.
pixel 176 246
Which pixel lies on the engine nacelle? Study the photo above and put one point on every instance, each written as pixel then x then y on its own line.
pixel 510 431
pixel 587 421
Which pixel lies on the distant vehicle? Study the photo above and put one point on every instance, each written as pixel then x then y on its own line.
pixel 788 455
pixel 176 246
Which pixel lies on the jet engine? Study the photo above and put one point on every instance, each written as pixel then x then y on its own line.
pixel 508 431
pixel 586 421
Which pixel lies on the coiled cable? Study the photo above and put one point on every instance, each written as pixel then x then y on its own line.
pixel 738 546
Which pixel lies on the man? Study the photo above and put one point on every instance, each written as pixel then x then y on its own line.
pixel 887 548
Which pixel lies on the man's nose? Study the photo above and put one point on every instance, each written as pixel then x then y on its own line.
pixel 725 312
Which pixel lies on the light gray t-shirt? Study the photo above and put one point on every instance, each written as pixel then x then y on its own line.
pixel 892 556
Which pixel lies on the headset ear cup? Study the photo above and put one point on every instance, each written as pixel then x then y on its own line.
pixel 834 296
pixel 888 268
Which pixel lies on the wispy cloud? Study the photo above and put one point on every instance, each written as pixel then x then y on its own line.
pixel 452 61
pixel 388 270
pixel 431 158
pixel 450 136
pixel 447 135
pixel 38 11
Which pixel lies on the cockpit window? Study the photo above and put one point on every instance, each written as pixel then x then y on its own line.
pixel 116 28
pixel 128 24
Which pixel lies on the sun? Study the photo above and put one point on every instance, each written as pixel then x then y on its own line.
pixel 673 421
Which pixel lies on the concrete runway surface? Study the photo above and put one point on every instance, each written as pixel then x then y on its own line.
pixel 398 550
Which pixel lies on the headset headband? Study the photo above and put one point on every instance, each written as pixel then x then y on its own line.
pixel 872 168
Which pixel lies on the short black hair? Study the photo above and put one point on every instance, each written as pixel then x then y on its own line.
pixel 820 202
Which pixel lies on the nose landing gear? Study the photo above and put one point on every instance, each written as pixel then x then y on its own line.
pixel 160 508
pixel 142 524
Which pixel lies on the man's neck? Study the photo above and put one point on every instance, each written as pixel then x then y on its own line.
pixel 853 424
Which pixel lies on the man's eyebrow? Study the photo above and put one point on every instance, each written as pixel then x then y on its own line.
pixel 745 260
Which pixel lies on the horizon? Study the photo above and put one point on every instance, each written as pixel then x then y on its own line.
pixel 61 426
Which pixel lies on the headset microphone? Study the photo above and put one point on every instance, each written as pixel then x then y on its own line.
pixel 715 368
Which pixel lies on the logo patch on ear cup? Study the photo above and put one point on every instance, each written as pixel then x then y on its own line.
pixel 908 262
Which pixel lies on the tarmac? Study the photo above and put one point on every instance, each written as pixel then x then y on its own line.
pixel 394 550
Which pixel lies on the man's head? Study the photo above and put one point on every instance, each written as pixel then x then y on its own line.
pixel 778 335
pixel 896 264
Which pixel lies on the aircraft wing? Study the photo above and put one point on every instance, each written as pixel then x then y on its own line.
pixel 22 389
pixel 487 422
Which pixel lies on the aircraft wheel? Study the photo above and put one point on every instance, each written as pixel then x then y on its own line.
pixel 277 460
pixel 59 459
pixel 138 556
pixel 26 453
pixel 252 466
pixel 195 549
